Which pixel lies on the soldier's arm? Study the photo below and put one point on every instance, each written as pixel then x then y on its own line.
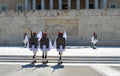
pixel 41 43
pixel 47 43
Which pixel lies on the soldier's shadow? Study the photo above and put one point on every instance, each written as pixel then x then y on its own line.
pixel 30 65
pixel 56 67
pixel 40 66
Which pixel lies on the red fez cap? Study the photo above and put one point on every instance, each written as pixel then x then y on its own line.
pixel 34 33
pixel 94 33
pixel 60 33
pixel 45 33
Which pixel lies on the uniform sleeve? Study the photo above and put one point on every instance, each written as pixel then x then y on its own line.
pixel 65 35
pixel 50 44
pixel 39 35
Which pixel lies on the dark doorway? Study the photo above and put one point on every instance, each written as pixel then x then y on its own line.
pixel 91 6
pixel 39 7
pixel 64 6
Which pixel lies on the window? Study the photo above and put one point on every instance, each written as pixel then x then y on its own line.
pixel 113 5
pixel 19 7
pixel 3 7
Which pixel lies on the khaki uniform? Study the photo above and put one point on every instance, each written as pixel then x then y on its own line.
pixel 60 43
pixel 44 41
pixel 33 45
pixel 44 45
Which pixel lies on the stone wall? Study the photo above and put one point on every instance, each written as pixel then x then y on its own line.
pixel 79 25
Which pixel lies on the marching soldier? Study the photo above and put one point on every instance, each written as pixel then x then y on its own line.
pixel 33 45
pixel 60 45
pixel 94 40
pixel 45 45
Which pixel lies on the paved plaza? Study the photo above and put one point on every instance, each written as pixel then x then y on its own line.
pixel 77 61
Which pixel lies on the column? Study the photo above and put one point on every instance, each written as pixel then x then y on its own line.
pixel 96 4
pixel 26 4
pixel 51 4
pixel 104 4
pixel 42 4
pixel 34 4
pixel 69 4
pixel 87 4
pixel 101 4
pixel 60 4
pixel 78 4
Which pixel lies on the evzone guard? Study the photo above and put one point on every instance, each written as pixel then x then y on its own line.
pixel 45 46
pixel 94 40
pixel 60 44
pixel 33 45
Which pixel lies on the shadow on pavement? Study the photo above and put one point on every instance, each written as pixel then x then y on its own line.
pixel 57 66
pixel 26 66
pixel 40 66
pixel 30 65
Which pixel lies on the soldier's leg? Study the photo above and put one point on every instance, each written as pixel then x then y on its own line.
pixel 46 57
pixel 60 55
pixel 34 52
pixel 60 58
pixel 43 56
pixel 94 46
pixel 26 44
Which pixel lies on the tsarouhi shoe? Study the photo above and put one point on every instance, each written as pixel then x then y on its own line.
pixel 34 61
pixel 46 61
pixel 94 47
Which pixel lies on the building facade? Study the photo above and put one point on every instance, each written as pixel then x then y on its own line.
pixel 57 4
pixel 79 18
